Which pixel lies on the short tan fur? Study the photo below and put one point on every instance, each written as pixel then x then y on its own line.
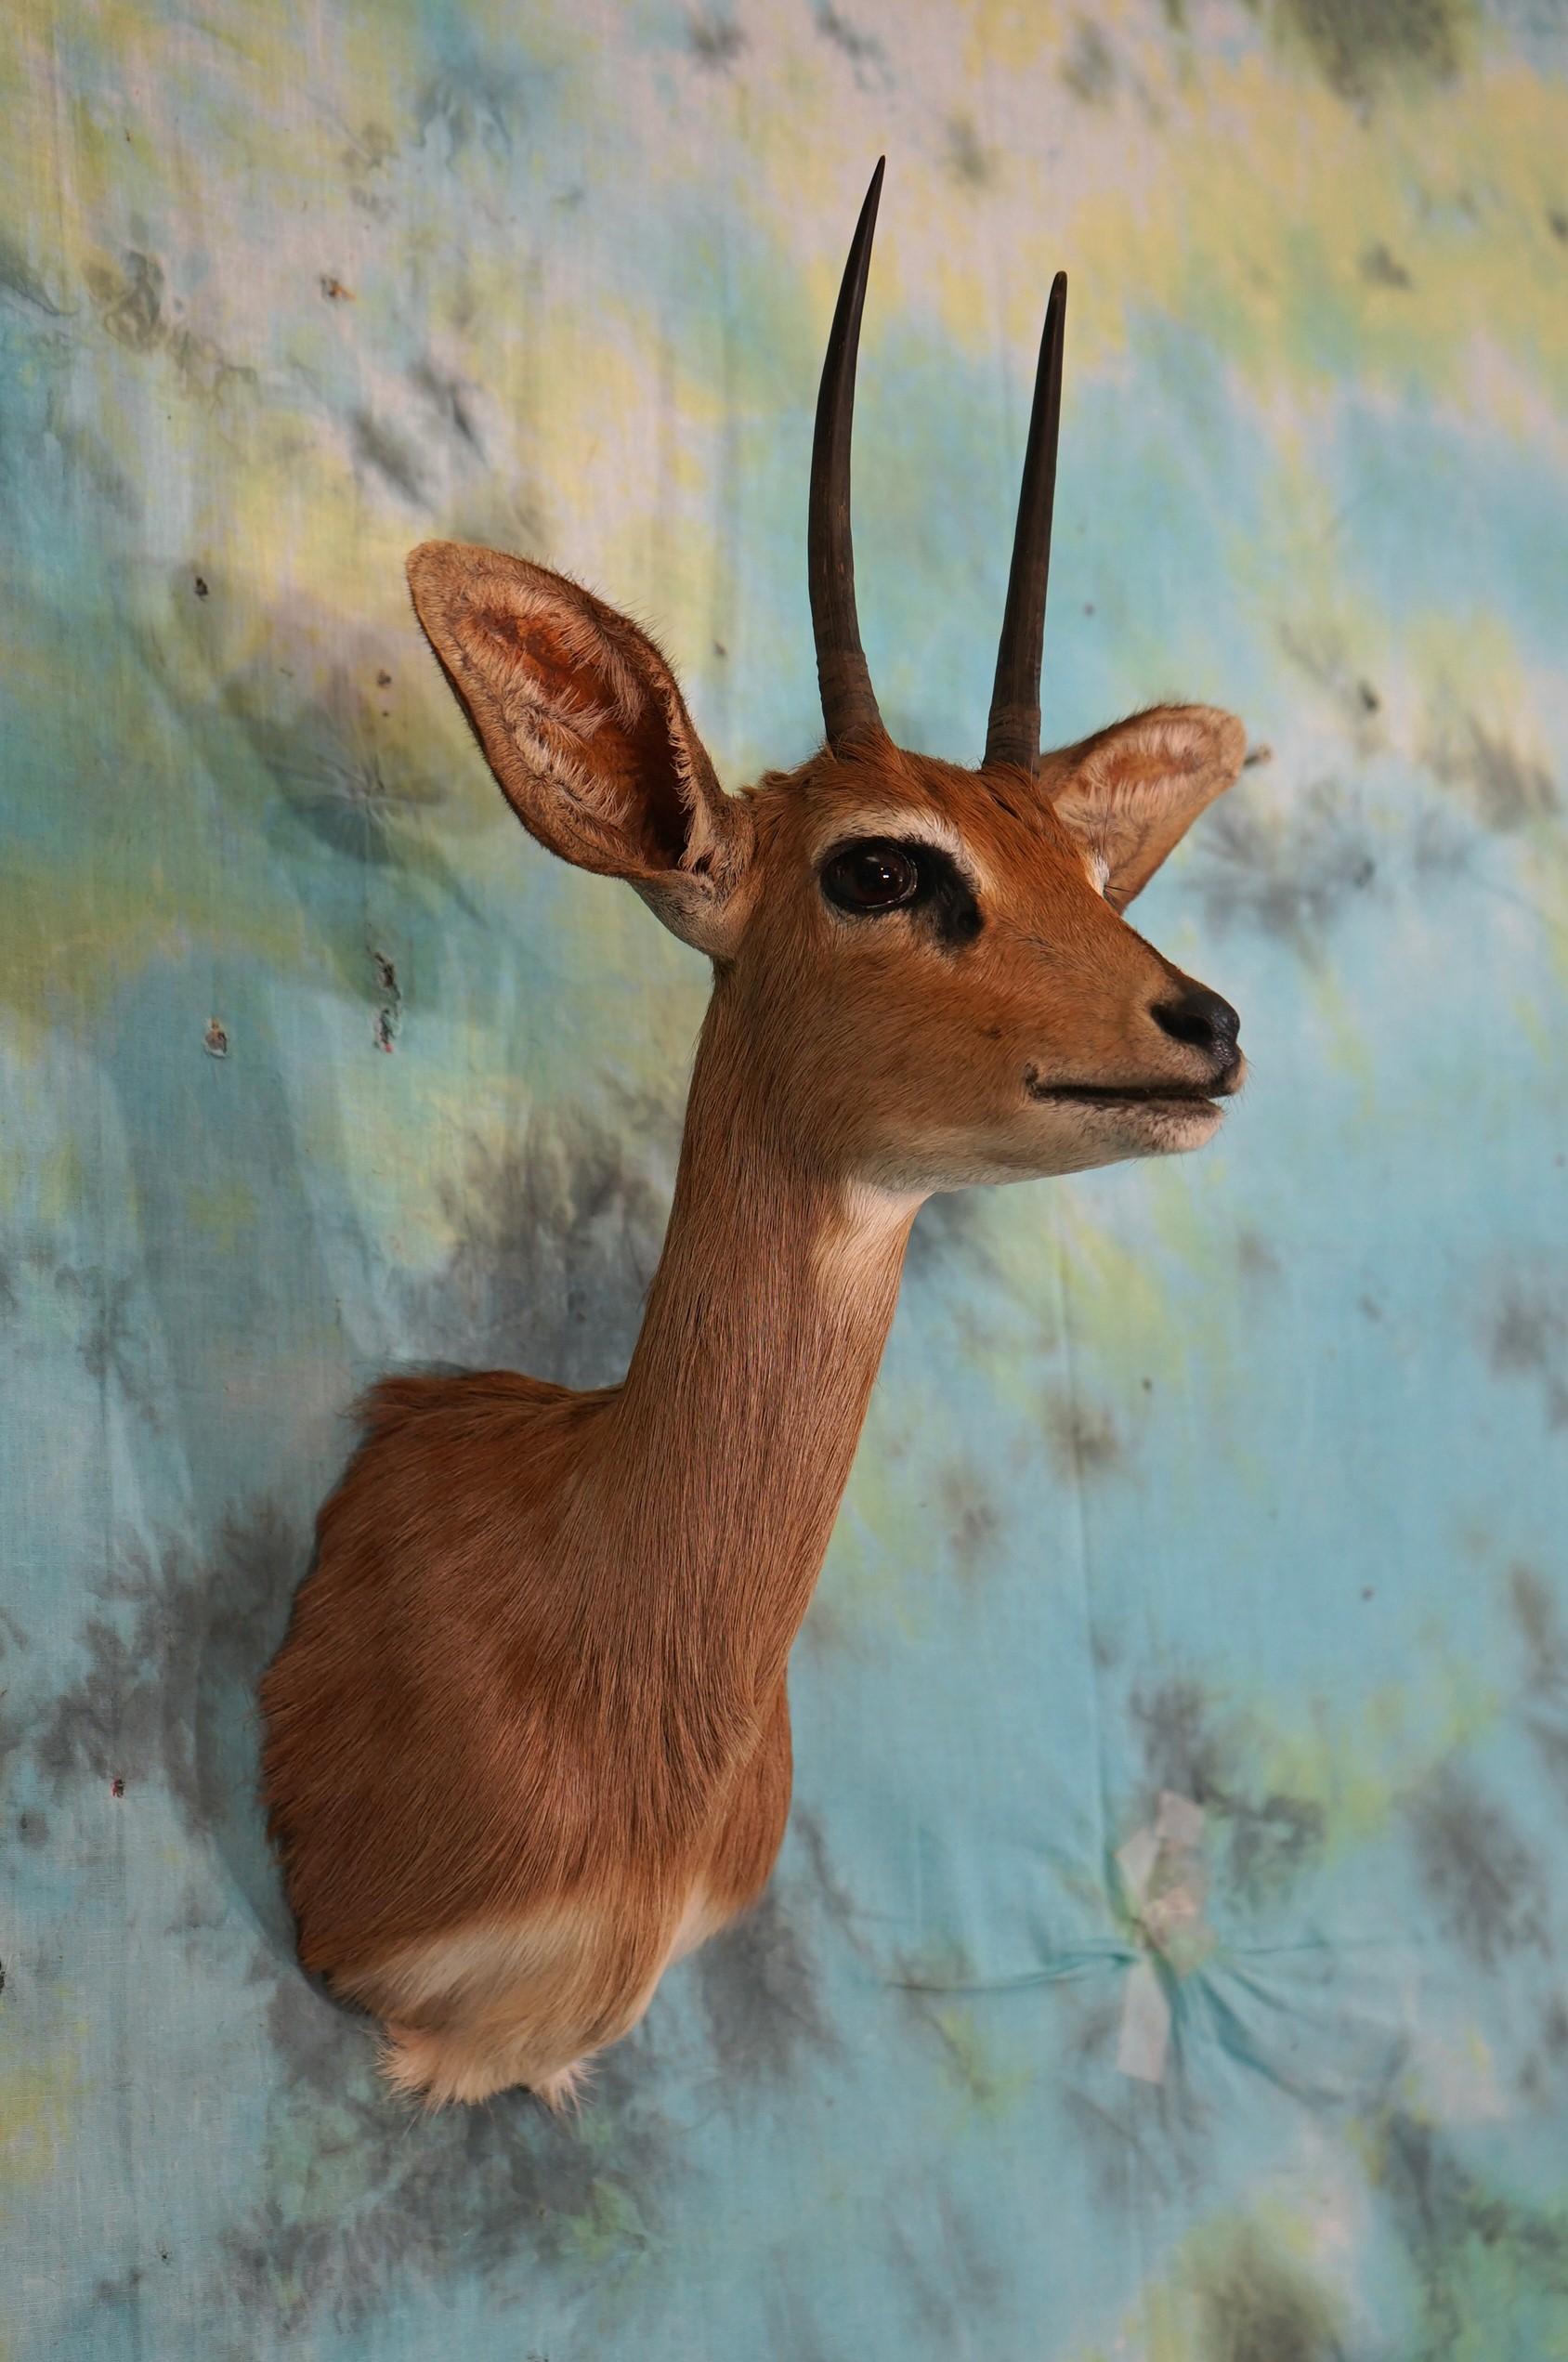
pixel 528 1740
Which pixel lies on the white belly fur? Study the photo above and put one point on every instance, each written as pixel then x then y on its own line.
pixel 523 2000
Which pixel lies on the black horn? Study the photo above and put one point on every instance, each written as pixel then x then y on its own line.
pixel 849 705
pixel 1012 732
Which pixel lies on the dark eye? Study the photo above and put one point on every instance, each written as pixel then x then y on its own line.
pixel 873 876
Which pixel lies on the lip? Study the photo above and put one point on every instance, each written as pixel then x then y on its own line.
pixel 1156 1096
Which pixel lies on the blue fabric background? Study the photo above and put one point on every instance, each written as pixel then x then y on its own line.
pixel 1239 1479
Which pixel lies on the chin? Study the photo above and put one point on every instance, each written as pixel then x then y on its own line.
pixel 1154 1128
pixel 1090 1137
pixel 1116 1135
pixel 1170 1127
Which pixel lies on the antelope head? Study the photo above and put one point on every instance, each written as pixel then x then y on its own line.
pixel 926 971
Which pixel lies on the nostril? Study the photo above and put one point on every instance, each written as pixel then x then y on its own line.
pixel 1199 1018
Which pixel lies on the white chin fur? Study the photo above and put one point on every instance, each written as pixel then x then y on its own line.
pixel 1069 1140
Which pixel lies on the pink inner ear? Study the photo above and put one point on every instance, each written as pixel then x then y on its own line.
pixel 624 736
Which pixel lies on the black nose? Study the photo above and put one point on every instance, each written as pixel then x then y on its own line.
pixel 1200 1018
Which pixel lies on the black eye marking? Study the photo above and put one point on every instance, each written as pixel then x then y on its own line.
pixel 872 875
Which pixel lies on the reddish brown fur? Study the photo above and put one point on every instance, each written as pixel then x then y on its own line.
pixel 527 1734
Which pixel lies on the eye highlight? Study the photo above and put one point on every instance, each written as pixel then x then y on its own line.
pixel 873 875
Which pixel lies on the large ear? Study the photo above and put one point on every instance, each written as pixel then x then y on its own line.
pixel 588 735
pixel 1129 795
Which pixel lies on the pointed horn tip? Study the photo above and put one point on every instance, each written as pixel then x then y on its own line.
pixel 1056 308
pixel 849 706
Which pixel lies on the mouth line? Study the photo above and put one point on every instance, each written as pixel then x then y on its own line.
pixel 1122 1095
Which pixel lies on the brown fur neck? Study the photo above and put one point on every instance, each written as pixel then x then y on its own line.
pixel 739 1421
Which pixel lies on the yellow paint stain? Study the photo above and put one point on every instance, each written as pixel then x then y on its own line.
pixel 883 1531
pixel 222 1211
pixel 60 1182
pixel 1116 1305
pixel 1290 560
pixel 1012 37
pixel 1358 1766
pixel 988 2086
pixel 1343 1022
pixel 37 2095
pixel 71 947
pixel 1242 199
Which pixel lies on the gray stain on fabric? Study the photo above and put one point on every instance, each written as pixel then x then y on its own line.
pixel 365 2194
pixel 1465 2243
pixel 1539 1618
pixel 1181 1750
pixel 113 1343
pixel 383 451
pixel 1287 872
pixel 1263 1839
pixel 1525 1334
pixel 967 1499
pixel 19 277
pixel 1543 2074
pixel 1545 1698
pixel 1365 48
pixel 1088 68
pixel 947 1224
pixel 1256 1259
pixel 792 2331
pixel 715 40
pixel 1272 1840
pixel 1382 269
pixel 948 2279
pixel 173 1652
pixel 1483 1879
pixel 339 785
pixel 968 158
pixel 1330 659
pixel 1157 2134
pixel 481 99
pixel 1255 2305
pixel 558 1235
pixel 1504 787
pixel 389 1017
pixel 130 302
pixel 758 1986
pixel 450 400
pixel 1083 1439
pixel 135 309
pixel 864 51
pixel 833 1898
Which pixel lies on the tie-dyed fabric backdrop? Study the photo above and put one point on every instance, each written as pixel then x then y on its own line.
pixel 1236 1484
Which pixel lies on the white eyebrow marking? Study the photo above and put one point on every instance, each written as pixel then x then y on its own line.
pixel 898 820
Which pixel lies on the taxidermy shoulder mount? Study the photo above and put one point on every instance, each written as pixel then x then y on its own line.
pixel 527 1740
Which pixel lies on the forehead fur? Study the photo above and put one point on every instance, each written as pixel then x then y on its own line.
pixel 998 821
